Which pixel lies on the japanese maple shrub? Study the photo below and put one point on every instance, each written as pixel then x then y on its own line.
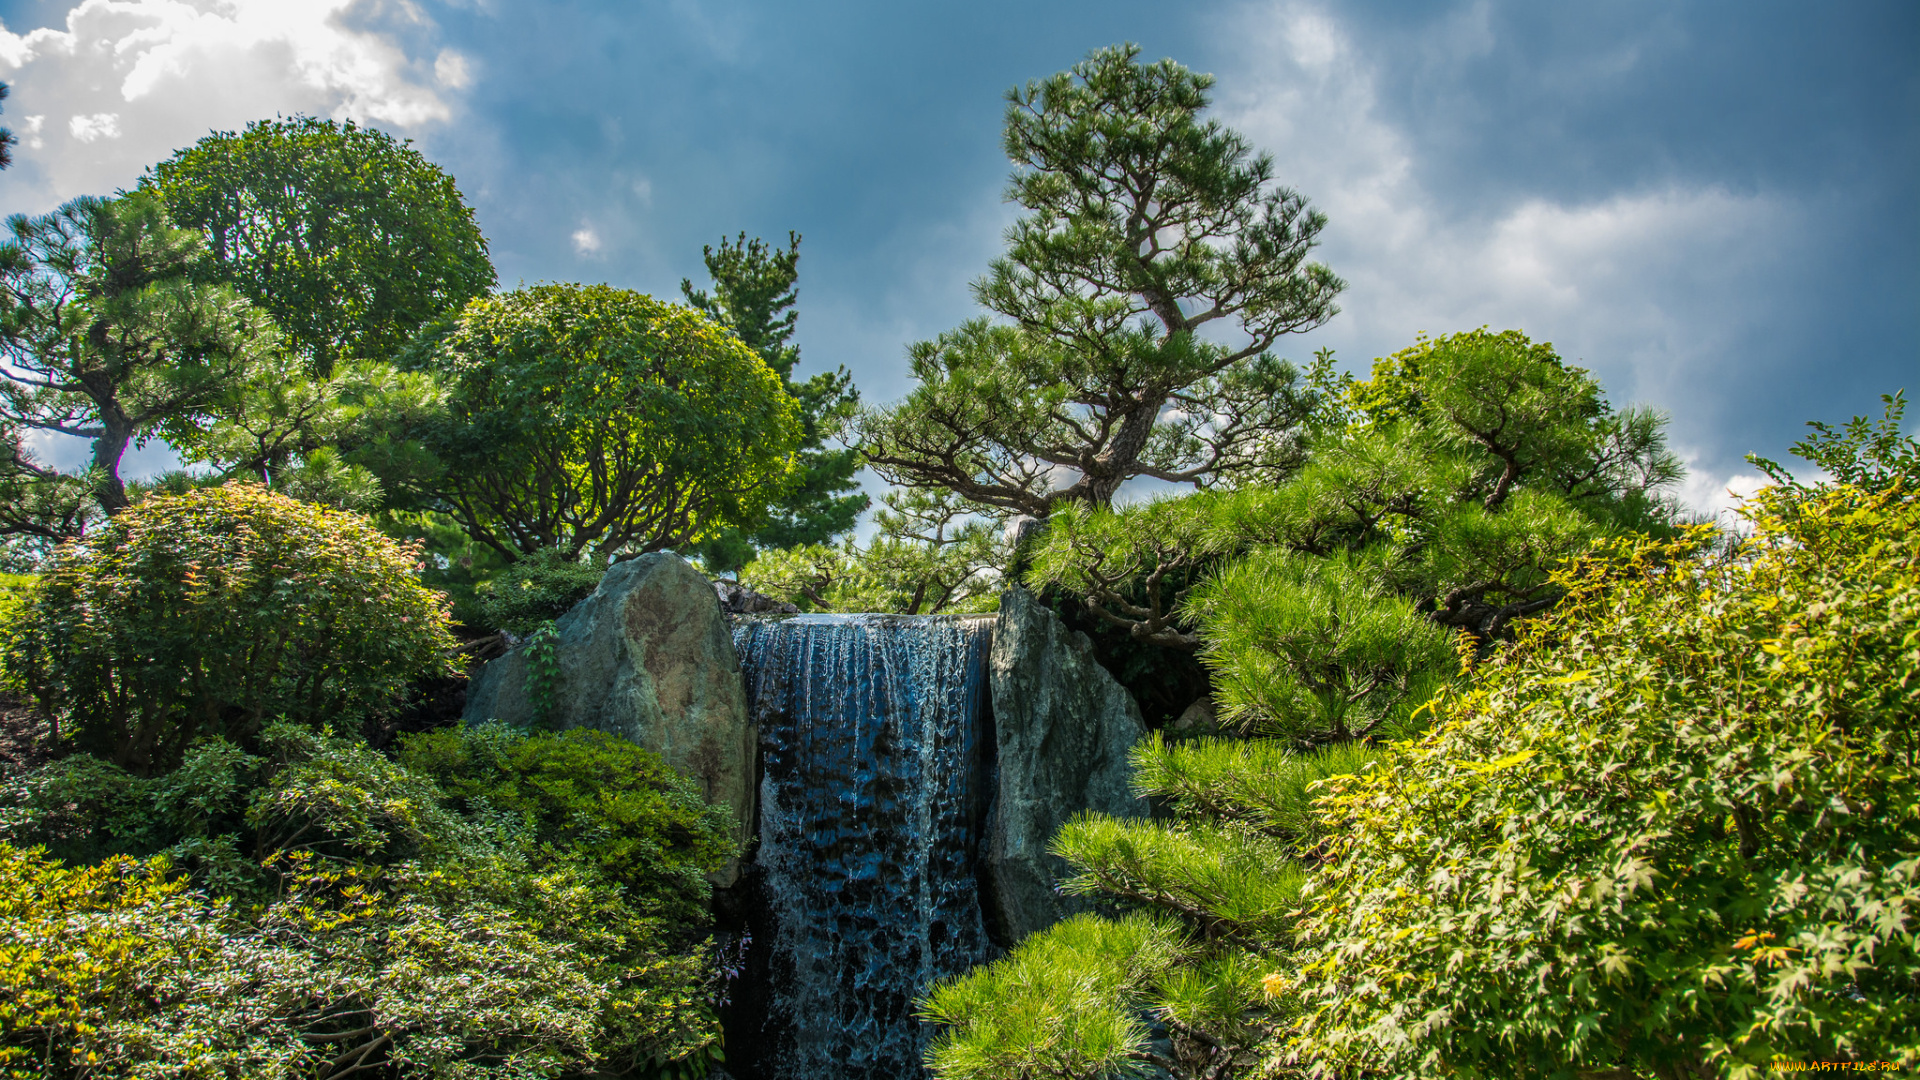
pixel 216 611
pixel 1674 832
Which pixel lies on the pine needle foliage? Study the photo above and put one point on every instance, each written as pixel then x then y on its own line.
pixel 753 295
pixel 1438 498
pixel 1067 1002
pixel 1145 228
pixel 1219 885
pixel 1230 884
pixel 1316 649
pixel 1262 785
pixel 932 556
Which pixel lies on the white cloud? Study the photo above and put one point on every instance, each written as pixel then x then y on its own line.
pixel 31 126
pixel 142 78
pixel 1716 495
pixel 586 241
pixel 98 126
pixel 1650 288
pixel 452 70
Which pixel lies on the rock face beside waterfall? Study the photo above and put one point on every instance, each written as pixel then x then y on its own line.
pixel 1063 727
pixel 649 657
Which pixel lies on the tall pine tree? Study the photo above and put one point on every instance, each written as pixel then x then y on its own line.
pixel 753 294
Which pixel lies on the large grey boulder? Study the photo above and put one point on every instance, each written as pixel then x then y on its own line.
pixel 649 657
pixel 1063 727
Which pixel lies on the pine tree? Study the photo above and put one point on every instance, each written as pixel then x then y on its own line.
pixel 1438 497
pixel 753 294
pixel 1156 265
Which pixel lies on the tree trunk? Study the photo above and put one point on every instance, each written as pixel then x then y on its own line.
pixel 116 431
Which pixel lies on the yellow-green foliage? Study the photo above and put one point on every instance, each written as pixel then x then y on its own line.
pixel 1316 648
pixel 119 970
pixel 1675 831
pixel 1065 1003
pixel 217 610
pixel 15 589
pixel 322 906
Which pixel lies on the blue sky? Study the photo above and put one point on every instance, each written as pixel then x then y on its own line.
pixel 1712 205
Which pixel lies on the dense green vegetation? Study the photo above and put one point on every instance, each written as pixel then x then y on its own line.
pixel 110 333
pixel 1517 772
pixel 210 877
pixel 1668 831
pixel 216 612
pixel 1514 771
pixel 316 906
pixel 590 420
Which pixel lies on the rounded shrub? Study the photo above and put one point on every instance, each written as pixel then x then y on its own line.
pixel 587 797
pixel 215 611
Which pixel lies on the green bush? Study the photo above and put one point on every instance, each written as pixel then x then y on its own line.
pixel 119 969
pixel 544 921
pixel 1675 831
pixel 537 589
pixel 15 590
pixel 587 796
pixel 215 611
pixel 598 420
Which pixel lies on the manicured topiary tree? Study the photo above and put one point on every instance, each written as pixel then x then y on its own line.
pixel 598 422
pixel 216 611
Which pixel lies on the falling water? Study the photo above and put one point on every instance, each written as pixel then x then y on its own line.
pixel 871 796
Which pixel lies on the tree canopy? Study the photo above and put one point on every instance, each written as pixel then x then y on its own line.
pixel 110 334
pixel 1154 267
pixel 346 235
pixel 1455 478
pixel 595 421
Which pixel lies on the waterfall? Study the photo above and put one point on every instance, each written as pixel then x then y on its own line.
pixel 873 787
